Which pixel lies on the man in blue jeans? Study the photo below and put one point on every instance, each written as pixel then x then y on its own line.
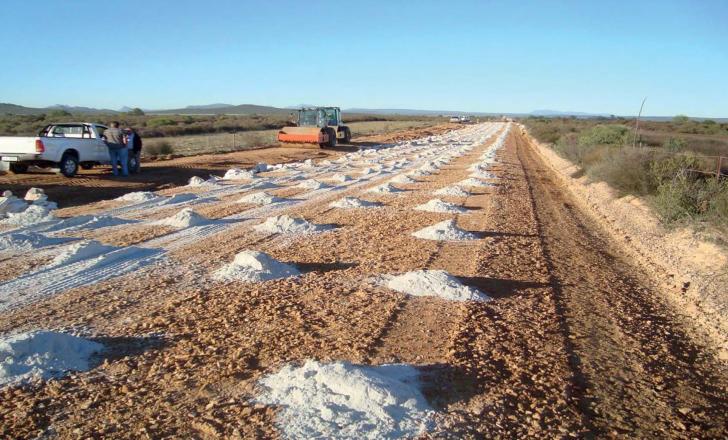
pixel 118 153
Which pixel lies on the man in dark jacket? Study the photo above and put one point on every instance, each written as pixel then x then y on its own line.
pixel 117 149
pixel 134 143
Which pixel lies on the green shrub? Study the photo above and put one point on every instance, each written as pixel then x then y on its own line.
pixel 686 197
pixel 675 144
pixel 605 135
pixel 158 122
pixel 664 168
pixel 625 169
pixel 159 148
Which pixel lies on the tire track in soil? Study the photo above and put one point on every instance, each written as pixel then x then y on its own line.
pixel 505 364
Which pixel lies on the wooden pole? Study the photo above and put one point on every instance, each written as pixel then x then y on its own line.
pixel 637 124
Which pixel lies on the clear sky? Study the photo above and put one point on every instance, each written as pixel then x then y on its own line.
pixel 441 55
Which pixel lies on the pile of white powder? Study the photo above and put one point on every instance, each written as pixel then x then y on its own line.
pixel 312 184
pixel 353 202
pixel 345 401
pixel 434 283
pixel 27 241
pixel 81 250
pixel 260 198
pixel 137 197
pixel 384 188
pixel 184 219
pixel 444 231
pixel 437 205
pixel 254 266
pixel 238 174
pixel 199 181
pixel 453 191
pixel 284 224
pixel 43 355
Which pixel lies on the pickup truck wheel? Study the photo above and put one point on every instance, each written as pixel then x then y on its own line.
pixel 18 168
pixel 69 165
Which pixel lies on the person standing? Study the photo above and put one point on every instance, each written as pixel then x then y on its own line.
pixel 134 143
pixel 118 152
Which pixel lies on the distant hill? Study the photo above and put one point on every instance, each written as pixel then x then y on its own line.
pixel 21 110
pixel 18 109
pixel 78 109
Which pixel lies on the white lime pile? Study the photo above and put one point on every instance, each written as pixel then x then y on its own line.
pixel 353 202
pixel 340 178
pixel 346 401
pixel 43 355
pixel 402 179
pixel 199 181
pixel 312 184
pixel 9 204
pixel 264 183
pixel 32 215
pixel 453 191
pixel 437 205
pixel 238 174
pixel 184 219
pixel 385 188
pixel 444 231
pixel 137 197
pixel 434 283
pixel 254 266
pixel 284 224
pixel 81 250
pixel 27 241
pixel 472 181
pixel 260 198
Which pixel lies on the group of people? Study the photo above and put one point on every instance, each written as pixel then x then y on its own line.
pixel 125 149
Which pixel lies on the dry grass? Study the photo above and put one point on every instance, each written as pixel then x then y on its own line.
pixel 226 142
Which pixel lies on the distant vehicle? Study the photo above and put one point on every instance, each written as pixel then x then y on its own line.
pixel 65 146
pixel 316 125
pixel 465 119
pixel 455 119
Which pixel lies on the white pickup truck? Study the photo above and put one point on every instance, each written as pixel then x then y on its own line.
pixel 64 146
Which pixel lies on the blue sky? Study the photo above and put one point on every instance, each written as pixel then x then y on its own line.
pixel 440 55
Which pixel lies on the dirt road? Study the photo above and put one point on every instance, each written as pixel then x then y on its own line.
pixel 576 342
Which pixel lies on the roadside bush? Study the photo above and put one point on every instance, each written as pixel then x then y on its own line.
pixel 667 168
pixel 159 148
pixel 675 144
pixel 158 122
pixel 605 135
pixel 626 170
pixel 696 199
